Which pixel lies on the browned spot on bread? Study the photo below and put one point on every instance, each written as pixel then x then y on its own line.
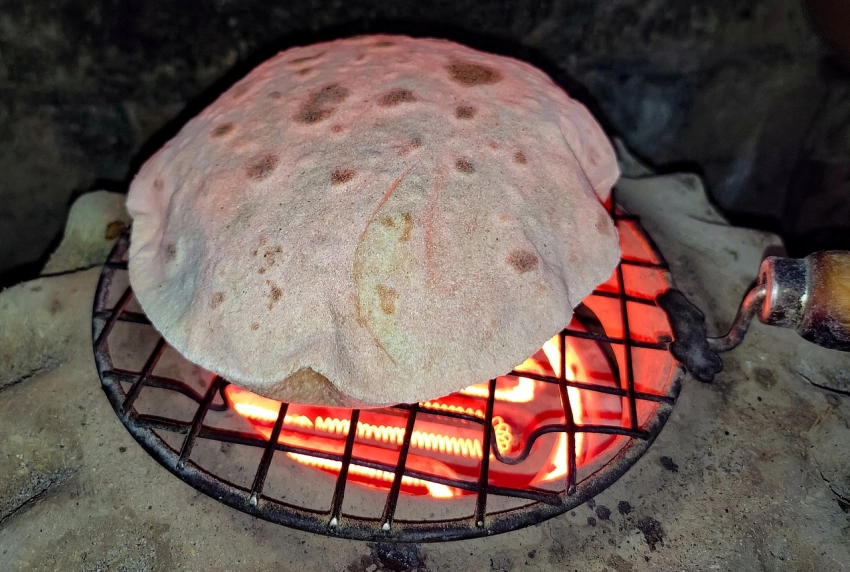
pixel 407 221
pixel 275 94
pixel 465 112
pixel 384 44
pixel 305 59
pixel 388 222
pixel 519 157
pixel 337 129
pixel 340 176
pixel 360 58
pixel 240 90
pixel 318 105
pixel 275 293
pixel 261 167
pixel 522 260
pixel 222 130
pixel 494 145
pixel 158 184
pixel 465 166
pixel 114 229
pixel 36 289
pixel 170 252
pixel 216 300
pixel 271 252
pixel 310 116
pixel 411 145
pixel 602 223
pixel 330 95
pixel 255 326
pixel 305 71
pixel 396 97
pixel 387 296
pixel 469 73
pixel 593 157
pixel 55 306
pixel 270 256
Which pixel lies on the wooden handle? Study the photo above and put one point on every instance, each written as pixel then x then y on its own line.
pixel 826 310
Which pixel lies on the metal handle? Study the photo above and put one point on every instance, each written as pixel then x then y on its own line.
pixel 810 295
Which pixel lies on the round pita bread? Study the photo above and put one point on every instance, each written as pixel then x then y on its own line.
pixel 374 220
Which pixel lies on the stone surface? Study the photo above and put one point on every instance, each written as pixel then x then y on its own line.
pixel 738 87
pixel 760 479
pixel 42 322
pixel 95 222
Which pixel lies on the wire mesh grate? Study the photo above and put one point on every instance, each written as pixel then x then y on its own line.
pixel 647 404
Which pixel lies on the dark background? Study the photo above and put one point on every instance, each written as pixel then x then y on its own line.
pixel 742 91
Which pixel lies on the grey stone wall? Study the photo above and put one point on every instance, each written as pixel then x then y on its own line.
pixel 735 88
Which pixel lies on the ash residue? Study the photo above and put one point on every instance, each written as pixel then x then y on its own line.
pixel 652 531
pixel 669 464
pixel 386 556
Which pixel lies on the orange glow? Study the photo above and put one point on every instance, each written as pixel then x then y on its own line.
pixel 436 490
pixel 448 448
pixel 558 461
pixel 522 392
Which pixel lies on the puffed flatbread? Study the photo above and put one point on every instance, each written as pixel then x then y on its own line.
pixel 374 220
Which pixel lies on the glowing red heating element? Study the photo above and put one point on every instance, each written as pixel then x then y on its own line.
pixel 448 447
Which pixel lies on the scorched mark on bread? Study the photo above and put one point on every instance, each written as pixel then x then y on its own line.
pixel 305 59
pixel 465 112
pixel 260 168
pixel 270 254
pixel 396 97
pixel 411 145
pixel 407 221
pixel 465 166
pixel 275 293
pixel 341 176
pixel 318 106
pixel 387 296
pixel 603 223
pixel 222 130
pixel 522 261
pixel 158 185
pixel 519 157
pixel 170 252
pixel 469 74
pixel 217 300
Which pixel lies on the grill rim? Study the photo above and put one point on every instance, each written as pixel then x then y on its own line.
pixel 363 528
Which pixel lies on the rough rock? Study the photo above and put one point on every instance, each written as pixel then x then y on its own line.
pixel 95 221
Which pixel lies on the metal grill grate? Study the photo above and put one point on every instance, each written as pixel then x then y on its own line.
pixel 124 386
